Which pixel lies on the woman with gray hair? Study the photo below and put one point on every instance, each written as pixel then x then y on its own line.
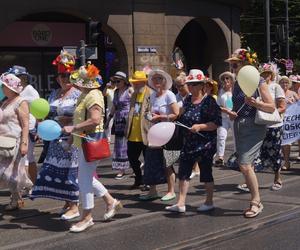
pixel 164 107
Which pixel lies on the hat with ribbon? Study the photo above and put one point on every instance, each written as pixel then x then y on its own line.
pixel 86 77
pixel 12 82
pixel 65 62
pixel 120 75
pixel 138 76
pixel 196 75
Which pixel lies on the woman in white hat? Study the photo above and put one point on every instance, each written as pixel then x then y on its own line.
pixel 164 107
pixel 290 98
pixel 249 135
pixel 202 114
pixel 225 102
pixel 14 131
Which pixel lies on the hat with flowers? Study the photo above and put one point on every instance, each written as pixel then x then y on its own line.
pixel 295 78
pixel 196 75
pixel 65 62
pixel 269 68
pixel 12 82
pixel 86 77
pixel 244 55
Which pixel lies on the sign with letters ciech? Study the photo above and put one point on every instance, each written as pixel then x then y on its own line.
pixel 291 124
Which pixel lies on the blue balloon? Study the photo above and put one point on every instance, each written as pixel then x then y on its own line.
pixel 2 96
pixel 49 130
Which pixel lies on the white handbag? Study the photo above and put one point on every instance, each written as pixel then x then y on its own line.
pixel 7 146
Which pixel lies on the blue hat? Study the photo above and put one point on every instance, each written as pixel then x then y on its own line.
pixel 18 70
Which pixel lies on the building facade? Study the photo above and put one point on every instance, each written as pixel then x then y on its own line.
pixel 138 34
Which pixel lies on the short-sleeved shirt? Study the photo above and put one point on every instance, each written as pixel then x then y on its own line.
pixel 196 145
pixel 180 99
pixel 277 93
pixel 161 104
pixel 84 103
pixel 225 100
pixel 135 131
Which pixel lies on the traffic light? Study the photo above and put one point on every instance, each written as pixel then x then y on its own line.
pixel 93 32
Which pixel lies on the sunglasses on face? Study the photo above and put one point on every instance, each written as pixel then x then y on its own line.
pixel 116 81
pixel 157 79
pixel 227 78
pixel 193 84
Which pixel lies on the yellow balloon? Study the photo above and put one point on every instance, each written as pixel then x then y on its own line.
pixel 248 79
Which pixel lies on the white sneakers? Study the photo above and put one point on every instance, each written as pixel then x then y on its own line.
pixel 117 205
pixel 84 226
pixel 176 209
pixel 193 174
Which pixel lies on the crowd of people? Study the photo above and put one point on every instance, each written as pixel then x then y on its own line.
pixel 208 109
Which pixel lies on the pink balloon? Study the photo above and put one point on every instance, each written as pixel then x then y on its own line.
pixel 1 115
pixel 160 133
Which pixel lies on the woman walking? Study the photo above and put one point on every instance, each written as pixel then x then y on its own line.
pixel 14 132
pixel 88 119
pixel 57 178
pixel 119 112
pixel 202 114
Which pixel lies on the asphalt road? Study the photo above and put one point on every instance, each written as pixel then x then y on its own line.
pixel 146 225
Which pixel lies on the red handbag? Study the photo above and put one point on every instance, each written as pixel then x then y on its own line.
pixel 95 147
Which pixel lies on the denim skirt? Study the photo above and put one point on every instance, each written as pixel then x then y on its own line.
pixel 248 139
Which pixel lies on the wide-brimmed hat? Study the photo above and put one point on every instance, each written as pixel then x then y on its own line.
pixel 65 62
pixel 164 74
pixel 196 75
pixel 138 76
pixel 86 77
pixel 281 78
pixel 295 78
pixel 268 68
pixel 243 55
pixel 19 71
pixel 12 82
pixel 120 75
pixel 224 74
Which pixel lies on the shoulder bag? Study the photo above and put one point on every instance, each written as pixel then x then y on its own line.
pixel 7 146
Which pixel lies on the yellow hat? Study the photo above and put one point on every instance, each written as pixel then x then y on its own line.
pixel 138 76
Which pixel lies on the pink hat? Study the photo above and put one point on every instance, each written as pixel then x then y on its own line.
pixel 12 82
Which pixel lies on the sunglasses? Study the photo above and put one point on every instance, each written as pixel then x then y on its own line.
pixel 116 81
pixel 227 78
pixel 157 79
pixel 193 83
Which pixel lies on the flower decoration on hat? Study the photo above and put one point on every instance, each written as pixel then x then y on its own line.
pixel 295 78
pixel 65 62
pixel 196 76
pixel 87 77
pixel 248 55
pixel 12 82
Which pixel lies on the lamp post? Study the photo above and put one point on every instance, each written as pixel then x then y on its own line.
pixel 287 29
pixel 268 40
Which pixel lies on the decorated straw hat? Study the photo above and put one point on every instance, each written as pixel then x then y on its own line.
pixel 86 77
pixel 196 75
pixel 138 76
pixel 65 62
pixel 226 74
pixel 12 82
pixel 244 55
pixel 295 78
pixel 164 74
pixel 268 68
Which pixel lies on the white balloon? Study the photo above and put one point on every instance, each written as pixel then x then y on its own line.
pixel 160 133
pixel 248 79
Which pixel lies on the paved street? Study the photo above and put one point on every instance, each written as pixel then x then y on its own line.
pixel 145 225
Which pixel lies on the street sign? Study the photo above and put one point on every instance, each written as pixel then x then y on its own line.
pixel 146 49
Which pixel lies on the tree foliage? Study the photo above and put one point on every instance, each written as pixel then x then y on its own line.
pixel 253 29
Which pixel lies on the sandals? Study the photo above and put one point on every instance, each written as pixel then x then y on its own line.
pixel 286 166
pixel 276 186
pixel 254 210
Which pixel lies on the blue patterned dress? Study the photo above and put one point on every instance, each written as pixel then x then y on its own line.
pixel 57 178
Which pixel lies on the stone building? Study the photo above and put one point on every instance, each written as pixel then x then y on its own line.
pixel 138 33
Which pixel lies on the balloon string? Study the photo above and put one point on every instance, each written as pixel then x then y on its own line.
pixel 184 126
pixel 81 136
pixel 240 108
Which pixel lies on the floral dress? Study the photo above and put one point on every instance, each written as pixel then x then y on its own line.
pixel 122 105
pixel 57 178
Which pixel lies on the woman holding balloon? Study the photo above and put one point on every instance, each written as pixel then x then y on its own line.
pixel 14 140
pixel 249 135
pixel 202 116
pixel 57 178
pixel 88 121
